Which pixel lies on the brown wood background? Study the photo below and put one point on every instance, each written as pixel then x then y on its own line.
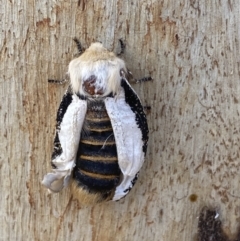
pixel 191 49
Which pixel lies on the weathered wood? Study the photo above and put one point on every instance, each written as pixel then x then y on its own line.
pixel 191 49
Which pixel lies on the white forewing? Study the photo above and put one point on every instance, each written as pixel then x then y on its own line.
pixel 69 136
pixel 128 139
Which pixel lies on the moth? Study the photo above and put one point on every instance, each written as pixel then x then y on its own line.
pixel 101 132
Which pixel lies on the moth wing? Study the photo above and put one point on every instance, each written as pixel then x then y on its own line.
pixel 131 135
pixel 70 117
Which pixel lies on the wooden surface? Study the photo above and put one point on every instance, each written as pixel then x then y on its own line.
pixel 191 49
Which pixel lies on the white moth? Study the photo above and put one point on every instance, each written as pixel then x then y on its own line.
pixel 102 133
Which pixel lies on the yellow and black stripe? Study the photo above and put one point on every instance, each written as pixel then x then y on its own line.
pixel 97 168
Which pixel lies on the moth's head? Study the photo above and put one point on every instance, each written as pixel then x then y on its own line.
pixel 96 73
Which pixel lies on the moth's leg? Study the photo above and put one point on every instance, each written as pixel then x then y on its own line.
pixel 79 46
pixel 147 107
pixel 144 79
pixel 60 82
pixel 129 76
pixel 122 47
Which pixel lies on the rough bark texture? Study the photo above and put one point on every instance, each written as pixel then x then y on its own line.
pixel 191 49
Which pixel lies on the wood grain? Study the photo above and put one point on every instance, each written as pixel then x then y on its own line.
pixel 191 49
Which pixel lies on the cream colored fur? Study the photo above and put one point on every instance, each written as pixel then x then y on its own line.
pixel 98 61
pixel 84 197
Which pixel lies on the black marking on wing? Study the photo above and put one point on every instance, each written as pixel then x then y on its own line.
pixel 132 184
pixel 66 101
pixel 133 101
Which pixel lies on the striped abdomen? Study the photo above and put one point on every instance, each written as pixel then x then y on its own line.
pixel 97 167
